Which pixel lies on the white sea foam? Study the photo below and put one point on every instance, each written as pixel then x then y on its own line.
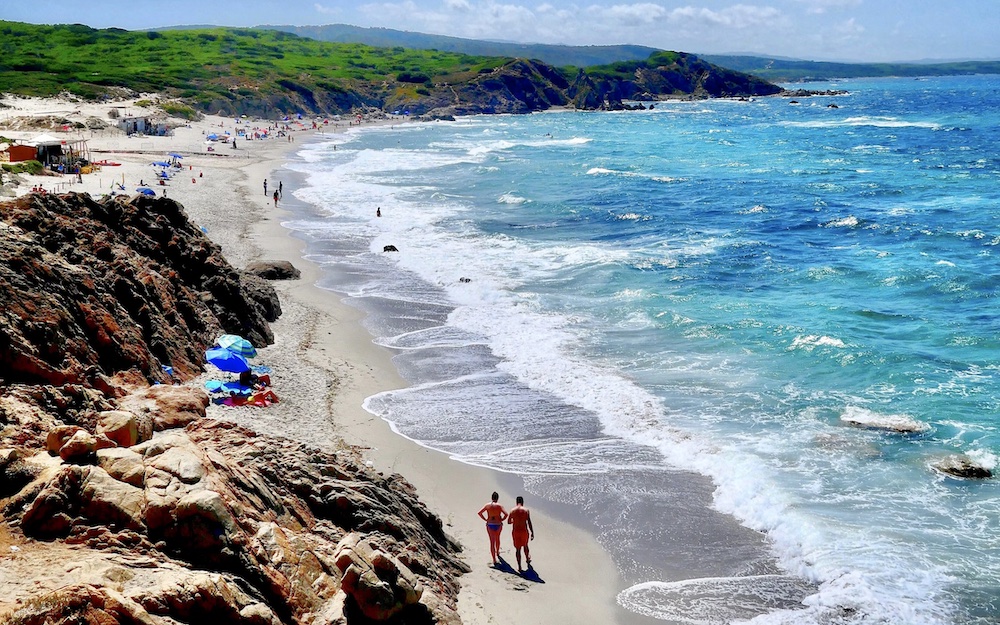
pixel 511 198
pixel 856 415
pixel 811 341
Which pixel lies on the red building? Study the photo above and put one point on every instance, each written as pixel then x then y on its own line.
pixel 18 153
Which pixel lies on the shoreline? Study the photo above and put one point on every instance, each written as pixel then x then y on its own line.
pixel 325 364
pixel 571 562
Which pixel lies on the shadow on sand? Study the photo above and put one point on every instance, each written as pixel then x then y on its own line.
pixel 529 574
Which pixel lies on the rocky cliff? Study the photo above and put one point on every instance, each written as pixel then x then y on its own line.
pixel 119 501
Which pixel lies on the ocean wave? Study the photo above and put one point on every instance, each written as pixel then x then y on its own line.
pixel 878 122
pixel 604 171
pixel 812 341
pixel 510 198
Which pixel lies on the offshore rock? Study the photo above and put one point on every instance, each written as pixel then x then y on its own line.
pixel 962 466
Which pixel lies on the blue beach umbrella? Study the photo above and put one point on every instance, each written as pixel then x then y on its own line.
pixel 212 136
pixel 227 360
pixel 145 191
pixel 175 155
pixel 161 164
pixel 237 344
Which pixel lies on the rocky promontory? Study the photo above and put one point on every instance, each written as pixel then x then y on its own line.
pixel 120 502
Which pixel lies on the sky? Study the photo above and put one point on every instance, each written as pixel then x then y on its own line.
pixel 821 30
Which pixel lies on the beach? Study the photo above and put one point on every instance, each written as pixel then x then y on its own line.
pixel 324 363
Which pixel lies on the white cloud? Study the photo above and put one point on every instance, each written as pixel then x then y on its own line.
pixel 458 5
pixel 821 6
pixel 737 16
pixel 849 29
pixel 631 14
pixel 325 9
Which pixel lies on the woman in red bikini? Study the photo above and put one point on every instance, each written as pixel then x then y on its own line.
pixel 494 515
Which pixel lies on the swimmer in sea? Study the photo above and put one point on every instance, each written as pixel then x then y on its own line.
pixel 520 518
pixel 494 515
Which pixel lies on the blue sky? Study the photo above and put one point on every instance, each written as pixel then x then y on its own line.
pixel 851 30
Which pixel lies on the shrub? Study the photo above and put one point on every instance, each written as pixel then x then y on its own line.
pixel 180 110
pixel 24 167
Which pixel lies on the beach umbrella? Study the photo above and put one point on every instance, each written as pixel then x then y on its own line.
pixel 175 155
pixel 161 164
pixel 227 360
pixel 213 136
pixel 163 174
pixel 145 191
pixel 236 344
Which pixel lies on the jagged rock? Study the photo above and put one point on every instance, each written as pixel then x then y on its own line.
pixel 121 427
pixel 58 436
pixel 79 448
pixel 273 270
pixel 263 296
pixel 102 293
pixel 379 584
pixel 389 248
pixel 962 466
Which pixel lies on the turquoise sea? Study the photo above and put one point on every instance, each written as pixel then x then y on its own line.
pixel 697 326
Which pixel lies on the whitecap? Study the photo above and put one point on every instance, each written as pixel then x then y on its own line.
pixel 812 341
pixel 510 198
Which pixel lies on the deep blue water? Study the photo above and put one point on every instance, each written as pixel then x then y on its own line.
pixel 752 291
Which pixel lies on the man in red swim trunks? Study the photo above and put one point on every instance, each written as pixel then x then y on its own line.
pixel 520 518
pixel 494 514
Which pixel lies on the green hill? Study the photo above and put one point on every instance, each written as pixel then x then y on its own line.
pixel 269 72
pixel 559 56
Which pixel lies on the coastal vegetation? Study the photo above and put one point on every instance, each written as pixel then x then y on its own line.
pixel 259 71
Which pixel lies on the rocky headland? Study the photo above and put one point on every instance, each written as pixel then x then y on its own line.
pixel 120 501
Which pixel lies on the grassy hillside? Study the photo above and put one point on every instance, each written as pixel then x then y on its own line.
pixel 268 72
pixel 559 56
pixel 784 70
pixel 213 66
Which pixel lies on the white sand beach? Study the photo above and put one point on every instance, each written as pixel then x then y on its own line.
pixel 324 363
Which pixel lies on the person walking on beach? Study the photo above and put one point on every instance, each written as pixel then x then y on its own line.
pixel 281 190
pixel 494 514
pixel 275 198
pixel 265 186
pixel 520 518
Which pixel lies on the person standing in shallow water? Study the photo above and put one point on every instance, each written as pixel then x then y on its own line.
pixel 494 515
pixel 265 186
pixel 520 518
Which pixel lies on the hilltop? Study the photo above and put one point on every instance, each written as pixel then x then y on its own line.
pixel 265 72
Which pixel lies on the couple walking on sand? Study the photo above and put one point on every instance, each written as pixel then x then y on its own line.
pixel 520 517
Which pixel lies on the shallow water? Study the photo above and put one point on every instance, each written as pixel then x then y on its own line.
pixel 604 302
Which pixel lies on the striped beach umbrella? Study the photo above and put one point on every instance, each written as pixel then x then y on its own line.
pixel 236 344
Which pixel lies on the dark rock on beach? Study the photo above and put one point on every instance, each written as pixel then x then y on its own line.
pixel 273 270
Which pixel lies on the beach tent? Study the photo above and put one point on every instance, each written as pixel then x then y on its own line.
pixel 145 191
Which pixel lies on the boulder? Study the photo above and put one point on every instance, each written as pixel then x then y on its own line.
pixel 120 426
pixel 390 248
pixel 962 466
pixel 165 407
pixel 79 448
pixel 273 270
pixel 58 436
